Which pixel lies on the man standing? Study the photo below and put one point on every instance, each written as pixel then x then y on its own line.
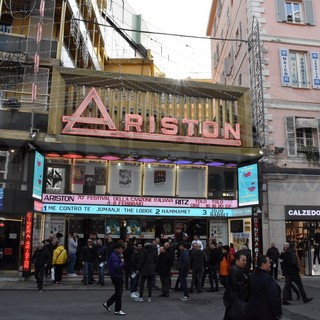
pixel 88 257
pixel 183 267
pixel 237 289
pixel 197 262
pixel 72 253
pixel 116 272
pixel 291 271
pixel 102 253
pixel 273 254
pixel 265 293
pixel 197 241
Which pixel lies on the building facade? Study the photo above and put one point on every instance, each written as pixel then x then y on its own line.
pixel 87 147
pixel 273 47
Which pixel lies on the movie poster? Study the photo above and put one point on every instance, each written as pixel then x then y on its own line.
pixel 133 228
pixel 78 175
pixel 148 229
pixel 125 178
pixel 113 228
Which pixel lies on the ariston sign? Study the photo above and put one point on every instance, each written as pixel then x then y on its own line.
pixel 211 131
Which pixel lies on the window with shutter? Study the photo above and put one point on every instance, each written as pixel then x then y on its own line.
pixel 281 11
pixel 295 11
pixel 308 8
pixel 291 136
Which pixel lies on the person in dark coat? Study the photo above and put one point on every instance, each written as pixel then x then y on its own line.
pixel 116 272
pixel 102 254
pixel 88 257
pixel 147 269
pixel 197 262
pixel 170 251
pixel 163 268
pixel 273 254
pixel 135 263
pixel 265 293
pixel 247 252
pixel 41 258
pixel 237 285
pixel 183 267
pixel 291 271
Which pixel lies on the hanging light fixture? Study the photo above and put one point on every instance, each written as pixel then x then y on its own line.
pixel 147 160
pixel 72 156
pixel 110 157
pixel 182 161
pixel 215 164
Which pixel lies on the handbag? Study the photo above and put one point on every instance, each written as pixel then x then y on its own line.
pixel 238 310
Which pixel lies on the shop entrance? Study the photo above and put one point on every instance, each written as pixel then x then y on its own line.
pixel 9 244
pixel 306 236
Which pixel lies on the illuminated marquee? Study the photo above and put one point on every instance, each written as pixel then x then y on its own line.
pixel 27 243
pixel 211 133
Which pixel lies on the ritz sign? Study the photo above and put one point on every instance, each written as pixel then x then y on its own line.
pixel 211 132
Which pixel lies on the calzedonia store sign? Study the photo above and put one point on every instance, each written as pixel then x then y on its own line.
pixel 302 213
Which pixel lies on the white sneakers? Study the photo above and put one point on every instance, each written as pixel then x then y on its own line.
pixel 184 298
pixel 134 295
pixel 139 299
pixel 119 313
pixel 72 275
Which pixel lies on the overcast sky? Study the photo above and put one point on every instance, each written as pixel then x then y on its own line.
pixel 178 57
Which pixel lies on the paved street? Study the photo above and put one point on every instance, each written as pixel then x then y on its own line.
pixel 72 300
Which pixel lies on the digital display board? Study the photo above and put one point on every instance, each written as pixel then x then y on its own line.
pixel 38 175
pixel 248 185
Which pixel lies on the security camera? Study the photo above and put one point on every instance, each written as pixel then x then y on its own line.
pixel 284 164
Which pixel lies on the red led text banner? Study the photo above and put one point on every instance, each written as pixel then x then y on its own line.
pixel 28 242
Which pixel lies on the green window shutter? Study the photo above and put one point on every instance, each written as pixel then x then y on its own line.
pixel 308 9
pixel 281 10
pixel 291 136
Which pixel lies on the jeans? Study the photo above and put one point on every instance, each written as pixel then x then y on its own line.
pixel 134 282
pixel 72 261
pixel 117 296
pixel 101 273
pixel 184 284
pixel 88 270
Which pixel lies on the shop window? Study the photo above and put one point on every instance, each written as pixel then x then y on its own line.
pixel 56 180
pixel 89 177
pixel 191 181
pixel 221 183
pixel 125 178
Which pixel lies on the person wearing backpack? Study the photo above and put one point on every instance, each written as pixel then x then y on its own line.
pixel 58 261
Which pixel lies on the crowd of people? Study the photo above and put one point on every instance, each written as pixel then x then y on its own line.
pixel 250 292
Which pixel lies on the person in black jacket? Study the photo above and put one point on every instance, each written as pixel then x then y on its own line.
pixel 88 257
pixel 237 285
pixel 265 293
pixel 147 269
pixel 183 267
pixel 41 258
pixel 273 254
pixel 291 271
pixel 163 268
pixel 197 262
pixel 135 263
pixel 102 254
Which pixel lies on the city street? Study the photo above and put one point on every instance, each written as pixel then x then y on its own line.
pixel 72 300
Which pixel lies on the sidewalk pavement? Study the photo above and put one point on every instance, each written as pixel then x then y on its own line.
pixel 11 281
